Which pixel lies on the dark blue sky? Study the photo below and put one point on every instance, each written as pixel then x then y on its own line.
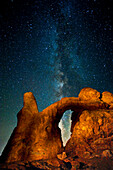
pixel 53 49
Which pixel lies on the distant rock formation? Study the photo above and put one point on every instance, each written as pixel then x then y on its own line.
pixel 38 137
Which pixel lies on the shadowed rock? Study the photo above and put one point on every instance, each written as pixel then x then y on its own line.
pixel 37 135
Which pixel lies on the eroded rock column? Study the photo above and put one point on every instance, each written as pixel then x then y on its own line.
pixel 36 136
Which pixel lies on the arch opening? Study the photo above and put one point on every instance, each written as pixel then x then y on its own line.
pixel 65 126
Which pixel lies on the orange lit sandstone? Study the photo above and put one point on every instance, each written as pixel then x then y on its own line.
pixel 107 97
pixel 38 137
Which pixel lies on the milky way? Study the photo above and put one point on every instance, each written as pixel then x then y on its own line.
pixel 53 49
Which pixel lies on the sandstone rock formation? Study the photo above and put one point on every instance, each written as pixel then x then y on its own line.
pixel 38 137
pixel 89 94
pixel 92 133
pixel 107 97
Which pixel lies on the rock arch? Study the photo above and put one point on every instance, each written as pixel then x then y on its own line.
pixel 37 135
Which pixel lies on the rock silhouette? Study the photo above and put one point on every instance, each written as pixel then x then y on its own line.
pixel 38 137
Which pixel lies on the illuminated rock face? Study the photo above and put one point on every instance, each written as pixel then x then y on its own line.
pixel 37 135
pixel 88 93
pixel 92 129
pixel 92 133
pixel 108 98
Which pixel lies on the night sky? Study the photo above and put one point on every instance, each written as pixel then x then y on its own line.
pixel 53 49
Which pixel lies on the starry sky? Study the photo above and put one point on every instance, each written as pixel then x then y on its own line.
pixel 52 48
